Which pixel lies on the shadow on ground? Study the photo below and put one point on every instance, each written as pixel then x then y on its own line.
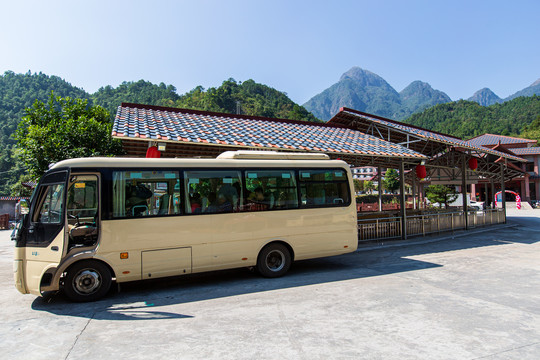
pixel 144 300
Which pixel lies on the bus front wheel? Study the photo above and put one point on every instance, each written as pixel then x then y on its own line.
pixel 87 281
pixel 274 260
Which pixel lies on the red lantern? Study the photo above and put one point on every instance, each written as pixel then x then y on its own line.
pixel 153 152
pixel 473 164
pixel 421 171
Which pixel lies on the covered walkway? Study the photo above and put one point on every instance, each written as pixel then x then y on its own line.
pixel 451 161
pixel 358 138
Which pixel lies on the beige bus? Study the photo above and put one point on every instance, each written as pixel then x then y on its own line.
pixel 93 221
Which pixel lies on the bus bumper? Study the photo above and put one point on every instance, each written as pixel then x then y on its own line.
pixel 18 274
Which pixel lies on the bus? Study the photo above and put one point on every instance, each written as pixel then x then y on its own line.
pixel 95 221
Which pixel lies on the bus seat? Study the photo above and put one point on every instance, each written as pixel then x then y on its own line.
pixel 271 201
pixel 164 204
pixel 139 210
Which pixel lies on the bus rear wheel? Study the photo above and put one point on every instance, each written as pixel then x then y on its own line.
pixel 87 281
pixel 274 260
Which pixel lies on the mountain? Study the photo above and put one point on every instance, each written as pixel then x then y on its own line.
pixel 466 119
pixel 419 96
pixel 485 97
pixel 358 89
pixel 533 89
pixel 365 91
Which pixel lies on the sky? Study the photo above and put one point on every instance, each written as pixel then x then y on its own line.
pixel 298 47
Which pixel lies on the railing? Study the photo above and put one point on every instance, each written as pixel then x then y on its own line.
pixel 390 227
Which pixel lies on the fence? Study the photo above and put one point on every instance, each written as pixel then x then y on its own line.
pixel 370 207
pixel 388 228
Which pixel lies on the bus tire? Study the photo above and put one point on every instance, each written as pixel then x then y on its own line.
pixel 274 260
pixel 87 281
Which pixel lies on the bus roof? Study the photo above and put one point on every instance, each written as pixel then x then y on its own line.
pixel 227 159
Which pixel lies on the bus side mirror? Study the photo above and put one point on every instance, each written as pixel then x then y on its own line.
pixel 25 209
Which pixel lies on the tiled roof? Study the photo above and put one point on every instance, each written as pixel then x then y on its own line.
pixel 490 139
pixel 136 121
pixel 13 198
pixel 526 151
pixel 420 132
pixel 29 184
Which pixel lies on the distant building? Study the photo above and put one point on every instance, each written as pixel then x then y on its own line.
pixel 7 205
pixel 364 173
pixel 528 186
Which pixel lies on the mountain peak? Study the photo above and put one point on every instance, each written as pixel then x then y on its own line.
pixel 418 84
pixel 415 87
pixel 533 89
pixel 419 95
pixel 363 77
pixel 485 97
pixel 363 90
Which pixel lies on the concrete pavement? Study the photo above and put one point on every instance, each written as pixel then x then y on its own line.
pixel 471 297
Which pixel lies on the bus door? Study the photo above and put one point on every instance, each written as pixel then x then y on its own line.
pixel 43 236
pixel 83 211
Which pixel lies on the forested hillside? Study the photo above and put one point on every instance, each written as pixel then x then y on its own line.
pixel 466 119
pixel 17 92
pixel 248 97
pixel 140 92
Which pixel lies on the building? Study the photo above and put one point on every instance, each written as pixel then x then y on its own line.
pixel 527 185
pixel 364 173
pixel 7 205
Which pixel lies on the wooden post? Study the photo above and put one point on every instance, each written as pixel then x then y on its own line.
pixel 380 187
pixel 486 197
pixel 503 194
pixel 464 190
pixel 492 193
pixel 414 190
pixel 402 200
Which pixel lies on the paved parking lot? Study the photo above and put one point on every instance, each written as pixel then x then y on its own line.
pixel 476 296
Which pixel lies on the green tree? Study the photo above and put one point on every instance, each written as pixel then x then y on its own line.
pixel 391 180
pixel 441 194
pixel 61 129
pixel 17 92
pixel 532 131
pixel 368 186
pixel 18 189
pixel 358 185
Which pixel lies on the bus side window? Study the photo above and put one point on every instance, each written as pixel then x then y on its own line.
pixel 324 187
pixel 146 192
pixel 270 189
pixel 82 205
pixel 212 191
pixel 51 208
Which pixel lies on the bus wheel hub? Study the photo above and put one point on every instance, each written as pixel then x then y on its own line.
pixel 86 282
